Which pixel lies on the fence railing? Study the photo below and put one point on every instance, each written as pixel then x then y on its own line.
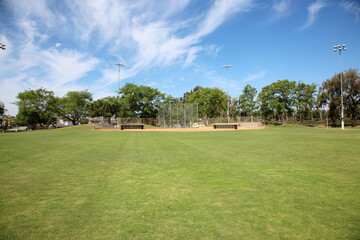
pixel 254 120
pixel 314 122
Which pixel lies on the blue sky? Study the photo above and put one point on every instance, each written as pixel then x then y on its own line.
pixel 172 45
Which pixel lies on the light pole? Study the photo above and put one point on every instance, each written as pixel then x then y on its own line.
pixel 341 48
pixel 228 102
pixel 119 65
pixel 2 107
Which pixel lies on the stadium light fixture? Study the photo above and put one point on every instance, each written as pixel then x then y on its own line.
pixel 228 102
pixel 340 48
pixel 119 65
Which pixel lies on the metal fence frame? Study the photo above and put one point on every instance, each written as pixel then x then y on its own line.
pixel 178 115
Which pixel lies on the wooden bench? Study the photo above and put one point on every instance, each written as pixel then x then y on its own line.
pixel 131 126
pixel 225 126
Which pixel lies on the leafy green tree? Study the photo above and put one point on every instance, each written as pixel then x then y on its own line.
pixel 304 100
pixel 2 111
pixel 352 91
pixel 247 103
pixel 2 108
pixel 276 100
pixel 234 107
pixel 330 94
pixel 37 107
pixel 73 106
pixel 187 94
pixel 212 102
pixel 106 107
pixel 266 100
pixel 140 101
pixel 171 99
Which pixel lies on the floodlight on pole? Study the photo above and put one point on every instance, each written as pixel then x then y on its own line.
pixel 2 46
pixel 119 65
pixel 228 102
pixel 341 48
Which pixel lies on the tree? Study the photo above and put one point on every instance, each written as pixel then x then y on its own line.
pixel 276 100
pixel 37 107
pixel 2 111
pixel 247 103
pixel 171 99
pixel 330 94
pixel 187 94
pixel 140 101
pixel 304 100
pixel 234 107
pixel 2 108
pixel 212 102
pixel 73 106
pixel 106 107
pixel 352 91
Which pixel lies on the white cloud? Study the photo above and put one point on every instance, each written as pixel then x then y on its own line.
pixel 67 65
pixel 159 44
pixel 252 77
pixel 57 45
pixel 219 13
pixel 212 50
pixel 352 6
pixel 38 9
pixel 313 11
pixel 281 6
pixel 9 88
pixel 281 9
pixel 191 55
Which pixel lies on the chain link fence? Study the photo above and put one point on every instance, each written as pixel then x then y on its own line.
pixel 178 115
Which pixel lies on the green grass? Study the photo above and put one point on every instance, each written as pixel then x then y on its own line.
pixel 260 184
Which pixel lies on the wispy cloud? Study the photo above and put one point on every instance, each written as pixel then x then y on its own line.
pixel 281 8
pixel 212 50
pixel 219 13
pixel 160 44
pixel 353 7
pixel 252 77
pixel 68 65
pixel 313 11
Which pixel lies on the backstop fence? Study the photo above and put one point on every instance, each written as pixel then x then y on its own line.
pixel 178 115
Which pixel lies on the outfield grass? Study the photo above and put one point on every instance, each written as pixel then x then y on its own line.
pixel 259 184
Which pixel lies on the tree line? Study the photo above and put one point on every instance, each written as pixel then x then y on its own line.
pixel 277 101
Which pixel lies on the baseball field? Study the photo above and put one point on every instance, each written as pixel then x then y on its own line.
pixel 277 183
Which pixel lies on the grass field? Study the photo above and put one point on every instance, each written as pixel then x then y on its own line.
pixel 260 184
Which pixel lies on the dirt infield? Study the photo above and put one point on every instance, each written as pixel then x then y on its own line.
pixel 202 129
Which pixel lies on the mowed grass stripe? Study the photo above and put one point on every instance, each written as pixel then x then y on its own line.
pixel 274 183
